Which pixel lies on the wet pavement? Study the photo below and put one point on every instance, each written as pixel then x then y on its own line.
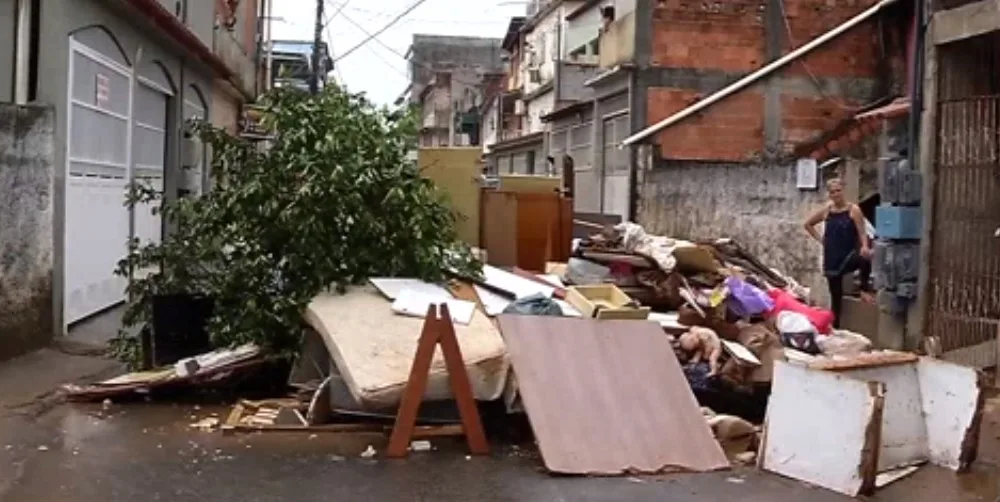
pixel 150 452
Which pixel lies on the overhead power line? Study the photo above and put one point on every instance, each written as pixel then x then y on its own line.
pixel 337 12
pixel 381 30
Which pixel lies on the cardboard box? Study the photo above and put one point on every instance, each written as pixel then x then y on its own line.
pixel 604 301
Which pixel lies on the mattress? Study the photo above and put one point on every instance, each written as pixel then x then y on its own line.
pixel 374 348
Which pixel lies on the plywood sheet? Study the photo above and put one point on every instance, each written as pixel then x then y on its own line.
pixel 823 428
pixel 607 397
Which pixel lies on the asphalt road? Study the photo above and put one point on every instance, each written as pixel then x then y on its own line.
pixel 143 452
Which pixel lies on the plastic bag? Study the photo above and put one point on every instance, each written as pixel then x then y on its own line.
pixel 536 304
pixel 821 319
pixel 844 343
pixel 746 300
pixel 585 272
pixel 797 332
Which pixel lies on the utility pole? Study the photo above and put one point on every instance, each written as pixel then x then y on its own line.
pixel 317 42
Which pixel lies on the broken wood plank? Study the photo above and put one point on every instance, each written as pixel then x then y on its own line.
pixel 866 360
pixel 438 330
pixel 426 431
pixel 315 429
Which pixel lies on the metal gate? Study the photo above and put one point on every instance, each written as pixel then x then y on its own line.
pixel 963 310
pixel 149 137
pixel 98 159
pixel 615 188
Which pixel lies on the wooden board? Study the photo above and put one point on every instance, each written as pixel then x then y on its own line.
pixel 865 360
pixel 607 397
pixel 823 428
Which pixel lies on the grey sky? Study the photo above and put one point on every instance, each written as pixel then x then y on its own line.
pixel 373 68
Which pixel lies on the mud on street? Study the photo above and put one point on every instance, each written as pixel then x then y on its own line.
pixel 83 453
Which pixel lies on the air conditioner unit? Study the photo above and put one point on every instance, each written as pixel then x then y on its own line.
pixel 519 107
pixel 534 75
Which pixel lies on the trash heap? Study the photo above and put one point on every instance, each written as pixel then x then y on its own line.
pixel 680 332
pixel 731 316
pixel 642 354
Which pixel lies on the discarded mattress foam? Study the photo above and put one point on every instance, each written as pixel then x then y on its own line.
pixel 374 348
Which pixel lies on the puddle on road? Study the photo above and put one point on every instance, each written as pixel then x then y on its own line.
pixel 153 436
pixel 139 428
pixel 931 483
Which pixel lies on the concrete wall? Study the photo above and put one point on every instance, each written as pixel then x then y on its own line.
pixel 59 20
pixel 572 78
pixel 200 19
pixel 430 53
pixel 8 23
pixel 756 204
pixel 537 107
pixel 225 109
pixel 26 244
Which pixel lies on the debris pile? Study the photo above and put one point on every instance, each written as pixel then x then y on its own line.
pixel 636 336
pixel 203 370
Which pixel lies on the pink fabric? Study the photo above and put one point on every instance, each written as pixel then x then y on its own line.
pixel 822 319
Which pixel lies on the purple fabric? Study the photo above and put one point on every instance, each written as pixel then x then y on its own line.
pixel 745 299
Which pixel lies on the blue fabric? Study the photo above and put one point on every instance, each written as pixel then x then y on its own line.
pixel 697 376
pixel 840 242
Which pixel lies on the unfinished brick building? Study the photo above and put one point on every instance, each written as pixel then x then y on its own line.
pixel 727 167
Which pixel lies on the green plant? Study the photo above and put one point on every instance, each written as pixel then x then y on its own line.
pixel 333 201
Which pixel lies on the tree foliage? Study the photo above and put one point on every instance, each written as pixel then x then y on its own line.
pixel 333 201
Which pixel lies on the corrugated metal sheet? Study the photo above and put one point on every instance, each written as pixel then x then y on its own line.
pixel 607 397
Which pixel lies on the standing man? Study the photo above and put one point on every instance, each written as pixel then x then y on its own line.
pixel 568 176
pixel 845 243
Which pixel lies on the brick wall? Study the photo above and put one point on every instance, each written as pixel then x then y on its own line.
pixel 725 36
pixel 731 38
pixel 732 130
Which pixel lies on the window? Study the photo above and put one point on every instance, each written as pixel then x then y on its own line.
pixel 615 131
pixel 580 146
pixel 530 163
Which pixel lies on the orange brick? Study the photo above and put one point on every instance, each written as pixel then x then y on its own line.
pixel 731 130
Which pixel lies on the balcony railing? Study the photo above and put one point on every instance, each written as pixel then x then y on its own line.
pixel 617 43
pixel 510 134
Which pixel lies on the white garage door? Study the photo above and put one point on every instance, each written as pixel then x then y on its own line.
pixel 616 188
pixel 97 221
pixel 149 135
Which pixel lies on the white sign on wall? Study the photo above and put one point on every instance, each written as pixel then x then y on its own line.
pixel 103 87
pixel 806 174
